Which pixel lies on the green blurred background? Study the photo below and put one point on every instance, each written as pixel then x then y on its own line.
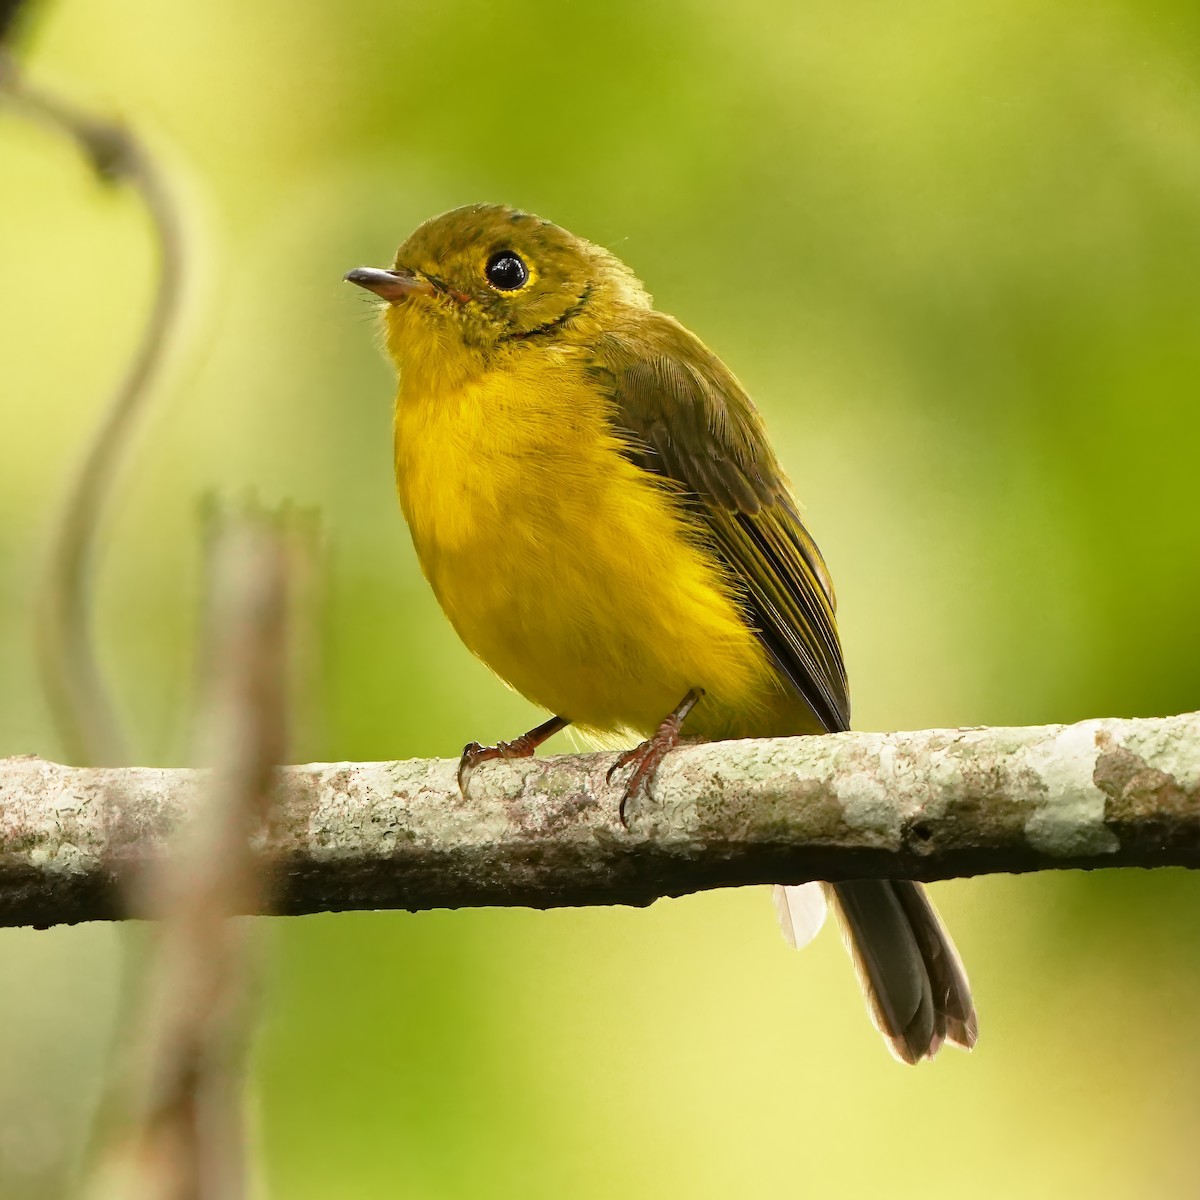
pixel 954 252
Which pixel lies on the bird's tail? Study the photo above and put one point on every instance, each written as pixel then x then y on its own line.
pixel 916 988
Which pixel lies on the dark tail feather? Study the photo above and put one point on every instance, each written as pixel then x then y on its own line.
pixel 916 988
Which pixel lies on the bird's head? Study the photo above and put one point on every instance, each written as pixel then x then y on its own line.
pixel 484 276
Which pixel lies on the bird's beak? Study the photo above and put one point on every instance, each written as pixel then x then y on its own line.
pixel 392 286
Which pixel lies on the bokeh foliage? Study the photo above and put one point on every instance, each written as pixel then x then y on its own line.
pixel 954 250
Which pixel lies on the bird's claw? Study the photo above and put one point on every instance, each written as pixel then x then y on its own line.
pixel 473 754
pixel 647 757
pixel 645 760
pixel 520 747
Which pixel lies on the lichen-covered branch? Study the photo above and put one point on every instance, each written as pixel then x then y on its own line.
pixel 926 805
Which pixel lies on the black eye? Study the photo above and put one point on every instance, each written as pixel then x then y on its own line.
pixel 506 271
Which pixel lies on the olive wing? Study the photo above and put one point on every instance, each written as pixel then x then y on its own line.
pixel 684 416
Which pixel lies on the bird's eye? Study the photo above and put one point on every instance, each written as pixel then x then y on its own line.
pixel 506 271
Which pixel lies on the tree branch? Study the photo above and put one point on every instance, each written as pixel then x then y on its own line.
pixel 926 805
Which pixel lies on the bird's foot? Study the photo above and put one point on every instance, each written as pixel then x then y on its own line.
pixel 521 747
pixel 646 758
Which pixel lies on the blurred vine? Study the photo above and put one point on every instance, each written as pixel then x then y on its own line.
pixel 79 694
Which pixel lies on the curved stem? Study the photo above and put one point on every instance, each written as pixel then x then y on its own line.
pixel 79 695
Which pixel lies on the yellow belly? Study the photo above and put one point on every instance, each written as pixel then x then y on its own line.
pixel 567 569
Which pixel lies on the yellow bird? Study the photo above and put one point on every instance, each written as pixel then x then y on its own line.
pixel 593 498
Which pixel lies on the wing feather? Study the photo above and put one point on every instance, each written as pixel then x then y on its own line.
pixel 684 416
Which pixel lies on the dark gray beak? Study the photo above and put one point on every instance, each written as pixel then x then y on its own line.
pixel 392 286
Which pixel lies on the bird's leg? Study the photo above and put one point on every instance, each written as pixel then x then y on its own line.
pixel 522 747
pixel 647 757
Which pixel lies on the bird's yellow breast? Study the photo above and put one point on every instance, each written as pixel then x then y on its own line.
pixel 571 572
